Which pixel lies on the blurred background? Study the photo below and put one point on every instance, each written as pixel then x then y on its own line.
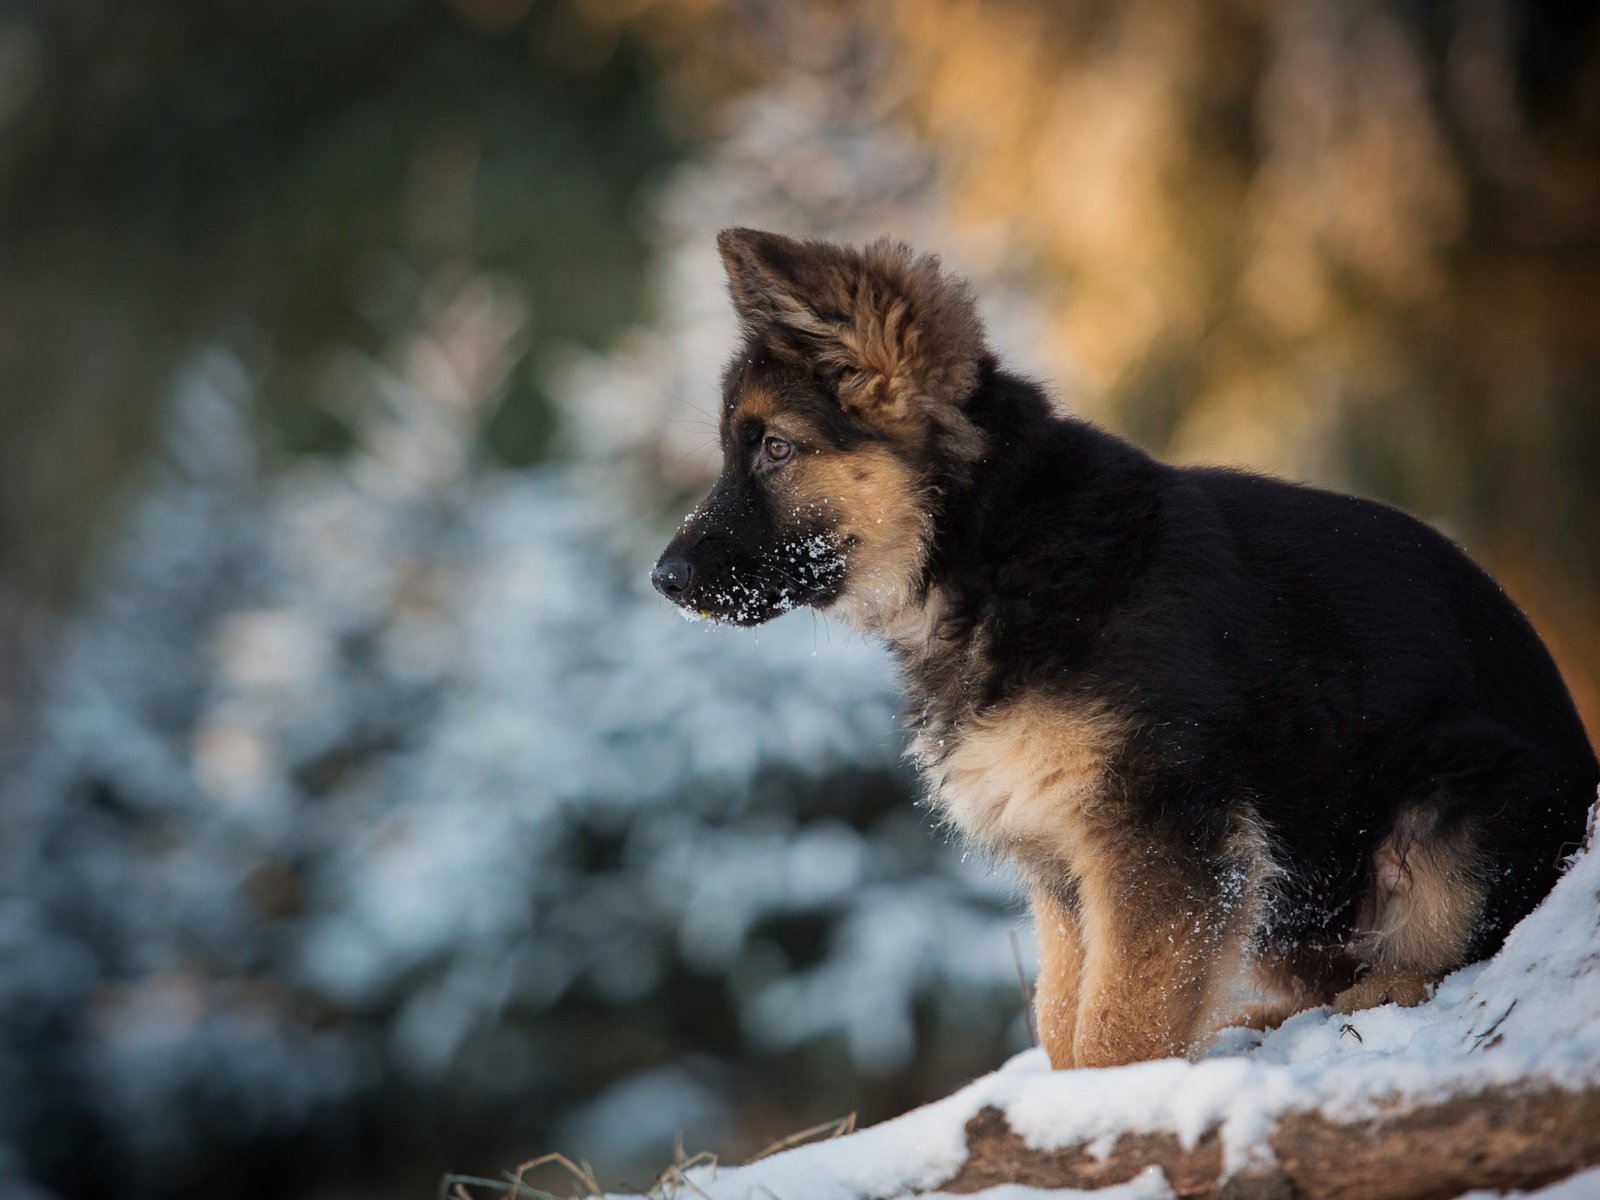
pixel 363 816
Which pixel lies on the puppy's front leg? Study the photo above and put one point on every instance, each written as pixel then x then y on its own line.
pixel 1159 949
pixel 1056 993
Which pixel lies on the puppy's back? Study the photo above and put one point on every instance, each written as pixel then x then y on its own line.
pixel 1389 597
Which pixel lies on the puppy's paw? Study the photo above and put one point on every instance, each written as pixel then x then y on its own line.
pixel 1405 988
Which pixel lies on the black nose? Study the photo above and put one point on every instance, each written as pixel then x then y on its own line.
pixel 672 576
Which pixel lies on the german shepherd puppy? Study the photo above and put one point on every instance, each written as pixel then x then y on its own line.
pixel 1242 737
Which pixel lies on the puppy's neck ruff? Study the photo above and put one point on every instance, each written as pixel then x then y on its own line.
pixel 905 616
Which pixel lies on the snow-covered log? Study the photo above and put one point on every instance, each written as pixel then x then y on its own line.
pixel 1500 1138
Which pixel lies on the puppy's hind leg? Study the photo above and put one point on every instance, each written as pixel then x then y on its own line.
pixel 1419 912
pixel 1467 858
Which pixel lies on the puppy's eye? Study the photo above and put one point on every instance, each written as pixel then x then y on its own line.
pixel 777 449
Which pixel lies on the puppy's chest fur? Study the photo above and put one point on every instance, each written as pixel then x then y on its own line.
pixel 1031 777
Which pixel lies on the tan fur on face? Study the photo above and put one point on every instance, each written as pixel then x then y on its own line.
pixel 872 501
pixel 755 402
pixel 1426 897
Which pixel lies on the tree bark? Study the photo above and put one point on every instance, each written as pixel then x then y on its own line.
pixel 1499 1138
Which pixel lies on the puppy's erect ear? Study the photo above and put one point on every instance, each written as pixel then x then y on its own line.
pixel 901 336
pixel 778 281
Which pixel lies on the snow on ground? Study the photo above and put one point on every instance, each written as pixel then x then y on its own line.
pixel 1530 1015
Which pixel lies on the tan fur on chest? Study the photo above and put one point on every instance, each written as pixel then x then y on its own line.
pixel 1029 779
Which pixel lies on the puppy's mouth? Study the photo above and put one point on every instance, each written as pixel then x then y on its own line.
pixel 745 608
pixel 738 603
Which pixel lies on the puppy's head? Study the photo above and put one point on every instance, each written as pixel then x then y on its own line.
pixel 843 423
